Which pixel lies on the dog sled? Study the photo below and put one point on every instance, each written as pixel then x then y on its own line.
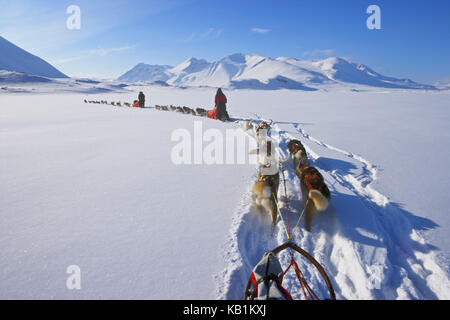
pixel 265 282
pixel 212 114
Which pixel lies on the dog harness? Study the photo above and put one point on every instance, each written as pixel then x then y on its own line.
pixel 312 179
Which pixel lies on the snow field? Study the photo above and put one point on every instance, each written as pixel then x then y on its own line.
pixel 93 185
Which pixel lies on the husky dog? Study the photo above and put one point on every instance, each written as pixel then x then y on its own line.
pixel 248 125
pixel 315 192
pixel 85 101
pixel 187 110
pixel 157 107
pixel 298 153
pixel 126 104
pixel 119 104
pixel 265 193
pixel 179 109
pixel 164 108
pixel 113 103
pixel 173 108
pixel 262 126
pixel 201 112
pixel 265 190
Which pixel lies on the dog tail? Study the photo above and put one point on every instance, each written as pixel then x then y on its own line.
pixel 320 201
pixel 267 192
pixel 262 191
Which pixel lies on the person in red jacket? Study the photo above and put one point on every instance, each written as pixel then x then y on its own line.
pixel 221 105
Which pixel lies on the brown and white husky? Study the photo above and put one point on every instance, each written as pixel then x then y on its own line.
pixel 265 193
pixel 315 192
pixel 298 153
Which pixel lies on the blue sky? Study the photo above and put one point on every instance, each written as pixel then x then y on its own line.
pixel 116 35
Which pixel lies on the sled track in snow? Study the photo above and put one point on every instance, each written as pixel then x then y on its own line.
pixel 368 245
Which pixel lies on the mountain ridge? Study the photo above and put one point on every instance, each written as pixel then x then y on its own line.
pixel 14 58
pixel 242 71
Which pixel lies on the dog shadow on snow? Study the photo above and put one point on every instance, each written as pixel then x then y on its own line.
pixel 351 218
pixel 359 216
pixel 388 228
pixel 366 222
pixel 330 164
pixel 358 221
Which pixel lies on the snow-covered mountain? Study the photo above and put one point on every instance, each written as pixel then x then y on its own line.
pixel 146 72
pixel 13 58
pixel 258 72
pixel 19 82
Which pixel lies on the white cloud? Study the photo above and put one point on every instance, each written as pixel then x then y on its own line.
pixel 190 38
pixel 320 52
pixel 105 51
pixel 210 34
pixel 260 30
pixel 66 60
pixel 101 52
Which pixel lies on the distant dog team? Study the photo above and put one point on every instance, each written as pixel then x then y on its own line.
pixel 315 193
pixel 185 110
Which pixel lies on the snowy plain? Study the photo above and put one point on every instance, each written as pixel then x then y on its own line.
pixel 94 186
